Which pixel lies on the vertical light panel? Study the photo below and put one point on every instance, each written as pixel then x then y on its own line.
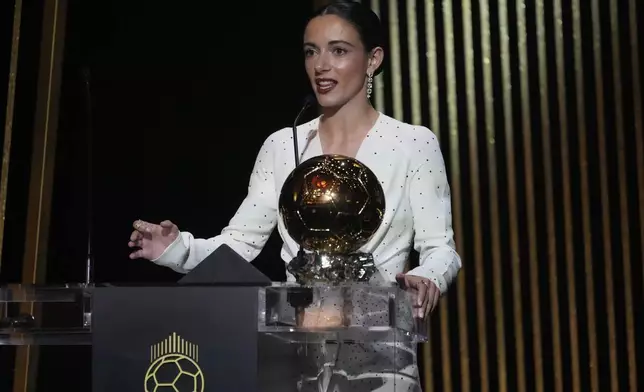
pixel 604 188
pixel 549 193
pixel 379 81
pixel 41 174
pixel 623 197
pixel 591 366
pixel 8 125
pixel 432 66
pixel 513 212
pixel 478 250
pixel 490 139
pixel 567 198
pixel 637 108
pixel 529 193
pixel 450 66
pixel 434 118
pixel 396 71
pixel 470 95
pixel 414 72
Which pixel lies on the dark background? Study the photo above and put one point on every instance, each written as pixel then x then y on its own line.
pixel 183 95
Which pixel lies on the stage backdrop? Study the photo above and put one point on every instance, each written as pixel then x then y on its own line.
pixel 538 108
pixel 537 105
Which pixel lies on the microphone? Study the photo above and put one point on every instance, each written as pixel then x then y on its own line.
pixel 89 265
pixel 308 101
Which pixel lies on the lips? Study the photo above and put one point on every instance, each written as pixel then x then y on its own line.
pixel 324 86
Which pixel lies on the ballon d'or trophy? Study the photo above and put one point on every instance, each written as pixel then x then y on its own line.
pixel 331 205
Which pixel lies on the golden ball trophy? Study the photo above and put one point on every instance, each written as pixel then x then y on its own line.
pixel 331 206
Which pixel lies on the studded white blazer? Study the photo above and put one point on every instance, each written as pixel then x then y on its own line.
pixel 409 165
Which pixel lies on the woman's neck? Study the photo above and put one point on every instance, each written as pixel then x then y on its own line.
pixel 351 119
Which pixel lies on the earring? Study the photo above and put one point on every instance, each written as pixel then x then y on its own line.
pixel 369 85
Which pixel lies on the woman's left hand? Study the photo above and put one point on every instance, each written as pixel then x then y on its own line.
pixel 426 293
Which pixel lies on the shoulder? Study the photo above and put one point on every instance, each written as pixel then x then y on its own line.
pixel 419 142
pixel 412 134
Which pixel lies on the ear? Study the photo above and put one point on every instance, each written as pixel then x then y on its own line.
pixel 375 60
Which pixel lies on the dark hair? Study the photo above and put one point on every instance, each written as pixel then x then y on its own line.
pixel 362 18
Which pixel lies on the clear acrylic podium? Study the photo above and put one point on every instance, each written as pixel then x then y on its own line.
pixel 349 337
pixel 316 338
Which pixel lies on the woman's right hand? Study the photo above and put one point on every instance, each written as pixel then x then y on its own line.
pixel 152 239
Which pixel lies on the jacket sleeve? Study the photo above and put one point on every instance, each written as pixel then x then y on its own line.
pixel 432 212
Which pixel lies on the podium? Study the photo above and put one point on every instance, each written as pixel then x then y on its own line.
pixel 241 335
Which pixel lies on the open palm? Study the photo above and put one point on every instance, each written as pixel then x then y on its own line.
pixel 151 239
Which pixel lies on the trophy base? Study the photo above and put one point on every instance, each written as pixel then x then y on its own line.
pixel 330 268
pixel 328 307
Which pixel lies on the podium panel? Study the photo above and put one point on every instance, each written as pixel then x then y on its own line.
pixel 278 337
pixel 155 339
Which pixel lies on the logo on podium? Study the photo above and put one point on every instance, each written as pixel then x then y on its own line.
pixel 174 366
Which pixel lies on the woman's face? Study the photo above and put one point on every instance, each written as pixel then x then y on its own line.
pixel 337 62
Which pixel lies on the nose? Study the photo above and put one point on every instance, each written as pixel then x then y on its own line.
pixel 322 63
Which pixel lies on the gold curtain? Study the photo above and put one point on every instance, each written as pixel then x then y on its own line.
pixel 538 108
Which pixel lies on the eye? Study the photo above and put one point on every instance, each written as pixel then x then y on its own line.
pixel 308 52
pixel 339 51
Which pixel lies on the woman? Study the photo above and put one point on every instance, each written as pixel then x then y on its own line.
pixel 343 51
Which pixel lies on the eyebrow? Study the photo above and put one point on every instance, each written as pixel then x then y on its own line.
pixel 334 42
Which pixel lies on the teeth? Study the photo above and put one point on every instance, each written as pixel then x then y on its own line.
pixel 326 83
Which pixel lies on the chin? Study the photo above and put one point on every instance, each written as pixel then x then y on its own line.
pixel 329 101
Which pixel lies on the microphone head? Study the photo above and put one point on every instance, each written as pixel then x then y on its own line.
pixel 309 100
